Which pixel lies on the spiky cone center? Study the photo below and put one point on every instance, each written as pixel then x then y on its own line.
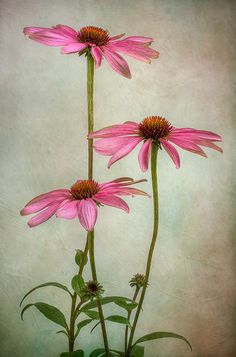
pixel 92 289
pixel 84 189
pixel 93 35
pixel 138 280
pixel 154 128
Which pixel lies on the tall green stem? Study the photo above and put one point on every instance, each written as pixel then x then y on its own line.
pixel 153 242
pixel 94 275
pixel 128 317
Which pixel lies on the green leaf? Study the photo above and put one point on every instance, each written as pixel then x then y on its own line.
pixel 103 301
pixel 96 352
pixel 137 351
pixel 80 256
pixel 50 312
pixel 57 285
pixel 127 306
pixel 77 284
pixel 82 324
pixel 100 352
pixel 157 335
pixel 94 315
pixel 118 319
pixel 63 331
pixel 78 353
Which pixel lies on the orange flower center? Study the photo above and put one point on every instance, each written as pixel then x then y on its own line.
pixel 93 35
pixel 154 127
pixel 84 189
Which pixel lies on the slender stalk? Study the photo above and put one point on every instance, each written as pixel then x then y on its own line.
pixel 94 275
pixel 153 242
pixel 90 85
pixel 128 317
pixel 73 303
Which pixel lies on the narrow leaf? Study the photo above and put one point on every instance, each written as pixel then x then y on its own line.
pixel 137 351
pixel 92 314
pixel 103 301
pixel 100 352
pixel 82 324
pixel 57 285
pixel 78 353
pixel 157 335
pixel 127 306
pixel 118 319
pixel 77 284
pixel 63 331
pixel 50 312
pixel 96 352
pixel 80 257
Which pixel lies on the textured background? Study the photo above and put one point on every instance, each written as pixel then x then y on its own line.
pixel 43 129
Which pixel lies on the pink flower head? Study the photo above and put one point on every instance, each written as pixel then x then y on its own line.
pixel 81 201
pixel 118 141
pixel 97 41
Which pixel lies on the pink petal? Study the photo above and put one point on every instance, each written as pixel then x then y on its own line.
pixel 109 146
pixel 139 39
pixel 189 146
pixel 40 204
pixel 124 151
pixel 114 130
pixel 111 200
pixel 57 36
pixel 73 47
pixel 97 55
pixel 208 144
pixel 116 37
pixel 140 53
pixel 60 193
pixel 171 151
pixel 190 133
pixel 67 30
pixel 30 30
pixel 43 216
pixel 88 212
pixel 68 210
pixel 117 62
pixel 144 155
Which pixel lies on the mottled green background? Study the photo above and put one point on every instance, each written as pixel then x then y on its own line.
pixel 43 128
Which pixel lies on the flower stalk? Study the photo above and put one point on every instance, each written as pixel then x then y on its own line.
pixel 153 241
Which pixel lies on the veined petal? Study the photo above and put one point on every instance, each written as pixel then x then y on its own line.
pixel 171 151
pixel 111 200
pixel 144 155
pixel 73 47
pixel 208 144
pixel 88 212
pixel 113 38
pixel 67 30
pixel 190 133
pixel 97 55
pixel 139 39
pixel 138 52
pixel 40 204
pixel 109 146
pixel 56 36
pixel 117 62
pixel 60 193
pixel 124 151
pixel 114 130
pixel 68 210
pixel 43 216
pixel 189 146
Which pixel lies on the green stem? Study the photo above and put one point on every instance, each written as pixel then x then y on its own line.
pixel 94 275
pixel 129 314
pixel 153 242
pixel 90 85
pixel 73 303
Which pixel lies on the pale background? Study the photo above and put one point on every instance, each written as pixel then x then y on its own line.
pixel 43 132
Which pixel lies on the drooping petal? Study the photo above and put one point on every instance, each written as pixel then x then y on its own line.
pixel 109 146
pixel 138 52
pixel 171 151
pixel 111 200
pixel 37 206
pixel 97 55
pixel 208 144
pixel 124 151
pixel 57 36
pixel 67 30
pixel 73 47
pixel 43 216
pixel 144 155
pixel 115 130
pixel 88 212
pixel 189 146
pixel 117 62
pixel 189 133
pixel 55 194
pixel 68 210
pixel 139 39
pixel 113 38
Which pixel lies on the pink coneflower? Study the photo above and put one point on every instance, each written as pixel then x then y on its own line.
pixel 97 41
pixel 118 141
pixel 81 201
